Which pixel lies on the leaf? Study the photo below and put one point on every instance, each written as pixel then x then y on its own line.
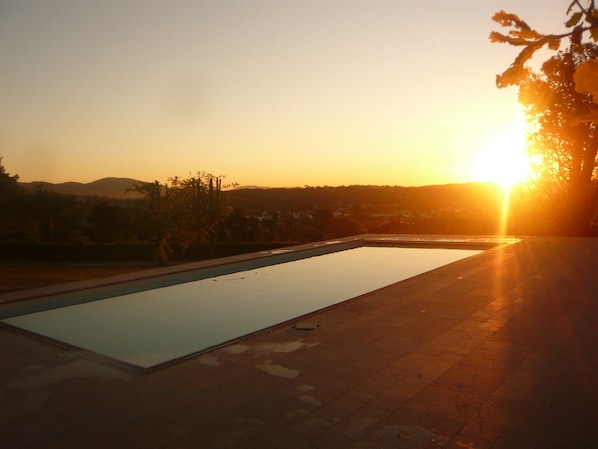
pixel 528 52
pixel 516 72
pixel 526 34
pixel 574 19
pixel 594 34
pixel 592 17
pixel 498 37
pixel 501 39
pixel 507 19
pixel 512 76
pixel 554 43
pixel 570 8
pixel 586 78
pixel 518 42
pixel 500 17
pixel 576 36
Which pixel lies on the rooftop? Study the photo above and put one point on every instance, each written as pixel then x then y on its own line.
pixel 496 351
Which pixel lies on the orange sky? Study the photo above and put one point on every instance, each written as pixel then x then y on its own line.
pixel 266 92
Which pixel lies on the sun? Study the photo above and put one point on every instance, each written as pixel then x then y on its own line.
pixel 503 159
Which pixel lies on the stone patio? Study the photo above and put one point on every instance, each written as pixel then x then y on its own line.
pixel 496 351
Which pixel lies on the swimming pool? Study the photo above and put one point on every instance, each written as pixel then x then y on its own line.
pixel 145 329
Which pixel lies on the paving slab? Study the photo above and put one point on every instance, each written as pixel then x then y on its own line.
pixel 496 351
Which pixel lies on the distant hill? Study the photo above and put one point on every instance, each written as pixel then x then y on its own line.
pixel 466 196
pixel 258 198
pixel 250 187
pixel 106 187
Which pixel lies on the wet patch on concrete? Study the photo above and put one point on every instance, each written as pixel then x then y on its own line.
pixel 278 370
pixel 310 400
pixel 285 347
pixel 357 428
pixel 236 349
pixel 209 360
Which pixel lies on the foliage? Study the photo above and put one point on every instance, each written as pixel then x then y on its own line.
pixel 567 146
pixel 558 102
pixel 186 210
pixel 586 81
pixel 10 194
pixel 191 215
pixel 582 18
pixel 6 180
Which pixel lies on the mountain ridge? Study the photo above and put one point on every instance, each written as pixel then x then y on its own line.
pixel 120 188
pixel 112 187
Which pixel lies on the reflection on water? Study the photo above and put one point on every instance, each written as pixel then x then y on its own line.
pixel 155 326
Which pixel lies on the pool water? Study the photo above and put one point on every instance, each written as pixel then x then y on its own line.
pixel 152 327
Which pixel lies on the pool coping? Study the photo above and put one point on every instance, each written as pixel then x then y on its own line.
pixel 37 299
pixel 16 299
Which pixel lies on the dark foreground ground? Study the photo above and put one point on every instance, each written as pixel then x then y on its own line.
pixel 24 276
pixel 496 351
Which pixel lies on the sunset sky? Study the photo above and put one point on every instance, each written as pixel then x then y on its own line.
pixel 274 93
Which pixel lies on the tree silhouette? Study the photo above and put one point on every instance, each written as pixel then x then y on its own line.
pixel 184 210
pixel 582 18
pixel 10 198
pixel 159 217
pixel 7 182
pixel 567 146
pixel 557 101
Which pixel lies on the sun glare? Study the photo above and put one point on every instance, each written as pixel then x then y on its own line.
pixel 504 159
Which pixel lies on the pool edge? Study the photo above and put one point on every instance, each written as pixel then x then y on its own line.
pixel 31 300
